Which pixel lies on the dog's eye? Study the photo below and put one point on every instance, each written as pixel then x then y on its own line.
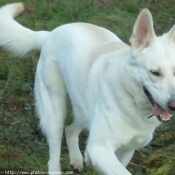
pixel 155 73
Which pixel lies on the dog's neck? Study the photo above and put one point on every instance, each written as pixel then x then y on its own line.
pixel 140 103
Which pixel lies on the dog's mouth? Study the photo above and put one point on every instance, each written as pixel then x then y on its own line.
pixel 162 114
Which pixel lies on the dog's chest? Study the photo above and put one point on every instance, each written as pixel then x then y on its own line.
pixel 140 140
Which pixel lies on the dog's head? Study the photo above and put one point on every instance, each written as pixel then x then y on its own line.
pixel 153 65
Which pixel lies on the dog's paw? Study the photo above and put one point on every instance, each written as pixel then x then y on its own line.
pixel 77 165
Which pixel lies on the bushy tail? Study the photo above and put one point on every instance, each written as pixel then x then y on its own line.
pixel 16 38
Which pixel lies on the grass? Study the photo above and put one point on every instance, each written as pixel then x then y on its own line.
pixel 22 144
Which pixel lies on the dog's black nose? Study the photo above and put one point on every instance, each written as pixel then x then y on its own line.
pixel 171 105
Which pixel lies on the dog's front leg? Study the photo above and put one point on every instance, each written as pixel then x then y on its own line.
pixel 124 156
pixel 104 160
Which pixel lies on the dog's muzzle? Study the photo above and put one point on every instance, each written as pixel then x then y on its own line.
pixel 162 114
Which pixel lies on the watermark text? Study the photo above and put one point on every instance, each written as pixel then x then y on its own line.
pixel 20 172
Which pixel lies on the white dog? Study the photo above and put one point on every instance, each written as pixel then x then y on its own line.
pixel 119 93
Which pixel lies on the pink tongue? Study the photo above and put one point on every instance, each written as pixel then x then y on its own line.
pixel 158 111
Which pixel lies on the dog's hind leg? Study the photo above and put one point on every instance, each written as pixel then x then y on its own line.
pixel 72 133
pixel 51 101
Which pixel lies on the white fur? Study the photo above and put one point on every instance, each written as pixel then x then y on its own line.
pixel 14 36
pixel 104 79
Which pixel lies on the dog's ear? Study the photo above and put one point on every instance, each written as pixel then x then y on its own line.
pixel 143 31
pixel 171 34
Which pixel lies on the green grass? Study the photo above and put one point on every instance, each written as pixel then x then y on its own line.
pixel 22 144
